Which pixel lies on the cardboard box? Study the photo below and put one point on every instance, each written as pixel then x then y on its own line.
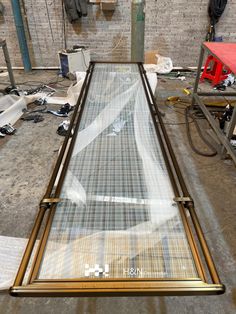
pixel 108 5
pixel 150 57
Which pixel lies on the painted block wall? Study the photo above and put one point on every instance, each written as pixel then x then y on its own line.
pixel 175 28
pixel 100 31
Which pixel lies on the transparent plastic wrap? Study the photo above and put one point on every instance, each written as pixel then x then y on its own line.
pixel 72 94
pixel 117 217
pixel 164 65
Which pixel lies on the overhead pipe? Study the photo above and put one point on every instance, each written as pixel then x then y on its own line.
pixel 21 34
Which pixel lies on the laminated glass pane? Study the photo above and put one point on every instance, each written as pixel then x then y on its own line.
pixel 117 218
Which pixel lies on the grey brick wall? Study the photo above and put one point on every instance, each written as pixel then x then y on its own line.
pixel 175 28
pixel 100 31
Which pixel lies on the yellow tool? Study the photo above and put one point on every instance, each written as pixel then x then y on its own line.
pixel 186 91
pixel 173 98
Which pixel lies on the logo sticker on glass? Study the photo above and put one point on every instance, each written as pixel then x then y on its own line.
pixel 96 270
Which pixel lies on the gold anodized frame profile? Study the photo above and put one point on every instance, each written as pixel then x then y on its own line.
pixel 208 281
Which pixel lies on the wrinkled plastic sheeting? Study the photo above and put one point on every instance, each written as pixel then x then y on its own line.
pixel 152 78
pixel 11 252
pixel 12 107
pixel 164 65
pixel 72 92
pixel 104 120
pixel 110 116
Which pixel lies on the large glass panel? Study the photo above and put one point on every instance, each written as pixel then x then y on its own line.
pixel 117 218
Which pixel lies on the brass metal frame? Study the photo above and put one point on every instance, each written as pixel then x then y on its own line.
pixel 204 284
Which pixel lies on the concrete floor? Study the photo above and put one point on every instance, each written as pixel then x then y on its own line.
pixel 26 160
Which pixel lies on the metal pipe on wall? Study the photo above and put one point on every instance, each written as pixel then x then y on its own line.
pixel 137 30
pixel 3 44
pixel 21 34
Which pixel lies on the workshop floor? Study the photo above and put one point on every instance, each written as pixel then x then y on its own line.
pixel 26 160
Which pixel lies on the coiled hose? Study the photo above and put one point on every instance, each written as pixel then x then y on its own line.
pixel 196 150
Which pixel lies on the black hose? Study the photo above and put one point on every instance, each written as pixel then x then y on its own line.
pixel 197 151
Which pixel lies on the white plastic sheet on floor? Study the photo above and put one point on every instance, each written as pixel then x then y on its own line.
pixel 72 93
pixel 11 252
pixel 12 107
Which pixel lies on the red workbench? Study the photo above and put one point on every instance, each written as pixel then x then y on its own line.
pixel 225 52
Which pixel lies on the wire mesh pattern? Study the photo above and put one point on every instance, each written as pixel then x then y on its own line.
pixel 117 218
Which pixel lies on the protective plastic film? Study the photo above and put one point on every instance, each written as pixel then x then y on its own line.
pixel 117 218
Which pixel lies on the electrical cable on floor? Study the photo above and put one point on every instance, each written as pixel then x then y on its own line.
pixel 175 103
pixel 43 108
pixel 34 115
pixel 176 111
pixel 51 81
pixel 31 84
pixel 196 150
